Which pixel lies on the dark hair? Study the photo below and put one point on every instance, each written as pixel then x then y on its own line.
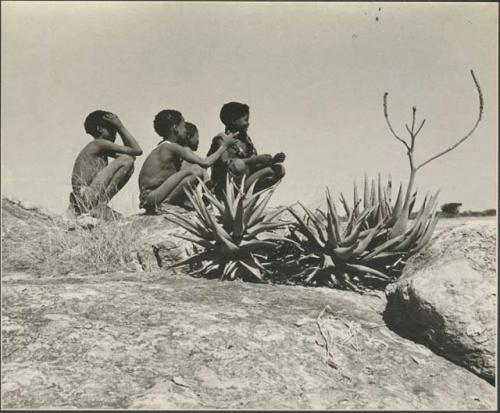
pixel 165 121
pixel 93 120
pixel 191 129
pixel 232 111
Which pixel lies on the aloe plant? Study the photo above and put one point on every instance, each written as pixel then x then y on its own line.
pixel 375 241
pixel 361 252
pixel 233 235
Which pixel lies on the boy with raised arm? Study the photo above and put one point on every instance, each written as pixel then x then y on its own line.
pixel 242 158
pixel 95 181
pixel 161 178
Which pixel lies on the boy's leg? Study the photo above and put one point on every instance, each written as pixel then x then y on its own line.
pixel 266 177
pixel 177 196
pixel 169 188
pixel 111 179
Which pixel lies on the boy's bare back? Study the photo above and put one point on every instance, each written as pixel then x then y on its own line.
pixel 89 162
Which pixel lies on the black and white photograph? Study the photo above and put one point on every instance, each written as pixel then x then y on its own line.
pixel 249 205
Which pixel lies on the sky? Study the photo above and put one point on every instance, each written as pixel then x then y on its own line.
pixel 313 74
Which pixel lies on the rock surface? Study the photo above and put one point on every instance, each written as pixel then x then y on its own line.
pixel 446 298
pixel 157 245
pixel 163 341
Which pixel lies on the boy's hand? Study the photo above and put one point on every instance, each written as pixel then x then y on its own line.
pixel 229 139
pixel 279 157
pixel 113 119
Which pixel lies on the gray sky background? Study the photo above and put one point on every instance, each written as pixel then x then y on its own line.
pixel 313 75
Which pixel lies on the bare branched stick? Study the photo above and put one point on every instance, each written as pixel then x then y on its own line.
pixel 386 115
pixel 481 105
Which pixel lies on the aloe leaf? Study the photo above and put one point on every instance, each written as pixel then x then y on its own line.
pixel 396 211
pixel 257 215
pixel 200 209
pixel 333 212
pixel 353 237
pixel 345 205
pixel 428 233
pixel 239 225
pixel 233 273
pixel 230 190
pixel 304 228
pixel 332 238
pixel 366 200
pixel 201 242
pixel 356 199
pixel 271 216
pixel 228 268
pixel 408 242
pixel 262 228
pixel 315 222
pixel 223 236
pixel 363 244
pixel 256 245
pixel 363 268
pixel 249 192
pixel 311 275
pixel 363 215
pixel 389 189
pixel 269 237
pixel 344 252
pixel 383 255
pixel 249 209
pixel 213 200
pixel 379 188
pixel 228 208
pixel 205 255
pixel 373 196
pixel 253 270
pixel 383 246
pixel 197 231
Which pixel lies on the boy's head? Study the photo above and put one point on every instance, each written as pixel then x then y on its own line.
pixel 96 126
pixel 192 137
pixel 235 116
pixel 168 122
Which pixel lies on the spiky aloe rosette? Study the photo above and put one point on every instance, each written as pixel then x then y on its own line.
pixel 365 251
pixel 234 234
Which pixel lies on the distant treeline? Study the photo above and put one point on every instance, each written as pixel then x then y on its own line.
pixel 484 213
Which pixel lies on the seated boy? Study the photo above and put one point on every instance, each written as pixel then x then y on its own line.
pixel 94 181
pixel 161 178
pixel 242 159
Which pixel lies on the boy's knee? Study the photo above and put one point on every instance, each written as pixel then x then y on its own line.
pixel 126 160
pixel 279 170
pixel 197 171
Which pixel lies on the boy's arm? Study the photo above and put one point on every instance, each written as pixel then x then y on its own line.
pixel 188 155
pixel 265 160
pixel 131 146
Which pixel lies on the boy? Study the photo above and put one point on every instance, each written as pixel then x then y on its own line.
pixel 161 178
pixel 192 136
pixel 94 181
pixel 243 159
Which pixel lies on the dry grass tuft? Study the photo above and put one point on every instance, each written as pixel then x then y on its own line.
pixel 54 247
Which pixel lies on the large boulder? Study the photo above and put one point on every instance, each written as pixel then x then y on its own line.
pixel 446 298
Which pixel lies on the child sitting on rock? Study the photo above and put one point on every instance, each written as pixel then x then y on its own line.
pixel 95 181
pixel 162 180
pixel 242 159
